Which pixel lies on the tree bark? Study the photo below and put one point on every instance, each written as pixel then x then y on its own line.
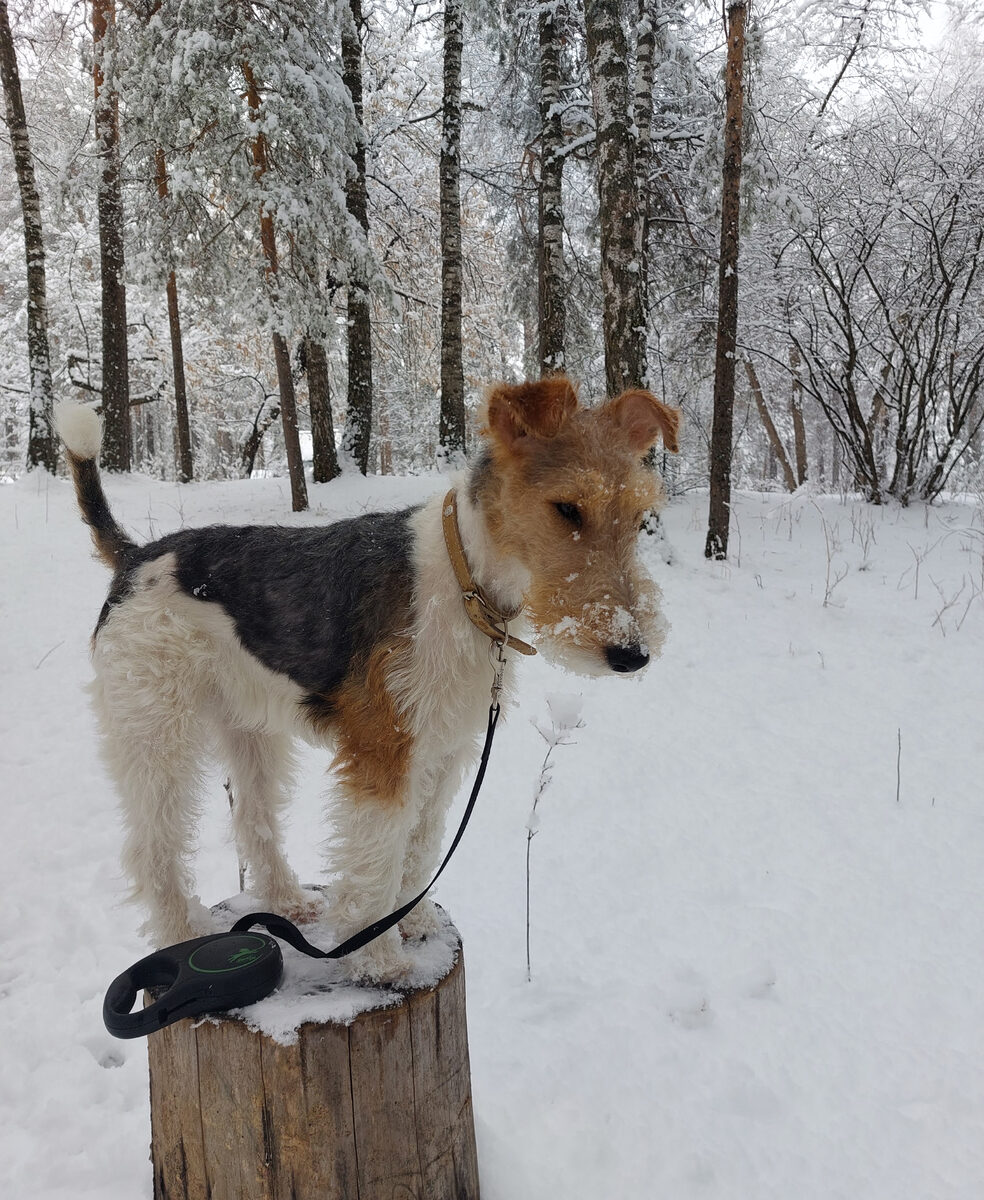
pixel 324 462
pixel 358 419
pixel 42 446
pixel 185 462
pixel 775 442
pixel 281 352
pixel 250 448
pixel 551 284
pixel 451 432
pixel 796 411
pixel 116 448
pixel 620 213
pixel 722 428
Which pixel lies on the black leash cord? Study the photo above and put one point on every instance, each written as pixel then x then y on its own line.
pixel 230 970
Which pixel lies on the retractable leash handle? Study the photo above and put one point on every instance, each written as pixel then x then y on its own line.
pixel 230 970
pixel 206 974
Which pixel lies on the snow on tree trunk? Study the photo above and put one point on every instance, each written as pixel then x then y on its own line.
pixel 358 419
pixel 281 352
pixel 719 514
pixel 452 420
pixel 41 444
pixel 116 449
pixel 185 461
pixel 551 283
pixel 620 212
pixel 324 464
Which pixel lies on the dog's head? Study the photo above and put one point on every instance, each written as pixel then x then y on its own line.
pixel 566 497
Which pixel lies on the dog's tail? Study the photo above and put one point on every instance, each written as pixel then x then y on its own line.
pixel 81 430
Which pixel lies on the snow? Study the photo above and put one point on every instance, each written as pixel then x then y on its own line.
pixel 756 972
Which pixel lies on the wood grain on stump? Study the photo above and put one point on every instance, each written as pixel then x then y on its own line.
pixel 379 1109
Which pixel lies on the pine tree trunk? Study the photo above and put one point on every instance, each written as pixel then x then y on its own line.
pixel 551 289
pixel 185 463
pixel 281 353
pixel 116 449
pixel 452 421
pixel 358 419
pixel 620 212
pixel 722 428
pixel 42 450
pixel 324 462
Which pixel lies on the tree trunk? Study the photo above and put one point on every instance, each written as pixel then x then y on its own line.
pixel 358 419
pixel 775 442
pixel 324 464
pixel 250 448
pixel 379 1108
pixel 185 463
pixel 551 284
pixel 722 428
pixel 451 432
pixel 620 213
pixel 642 108
pixel 116 448
pixel 281 353
pixel 796 411
pixel 42 446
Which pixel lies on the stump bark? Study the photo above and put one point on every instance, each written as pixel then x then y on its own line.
pixel 379 1109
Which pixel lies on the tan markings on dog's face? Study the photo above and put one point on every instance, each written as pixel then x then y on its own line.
pixel 569 507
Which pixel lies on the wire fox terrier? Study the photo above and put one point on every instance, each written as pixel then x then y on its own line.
pixel 236 640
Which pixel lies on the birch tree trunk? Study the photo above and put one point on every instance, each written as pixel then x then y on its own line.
pixel 551 284
pixel 116 448
pixel 620 213
pixel 185 463
pixel 451 432
pixel 358 419
pixel 722 428
pixel 642 107
pixel 42 450
pixel 324 462
pixel 281 352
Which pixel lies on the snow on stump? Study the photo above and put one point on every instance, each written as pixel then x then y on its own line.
pixel 324 1091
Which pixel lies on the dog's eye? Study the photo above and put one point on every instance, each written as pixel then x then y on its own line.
pixel 570 512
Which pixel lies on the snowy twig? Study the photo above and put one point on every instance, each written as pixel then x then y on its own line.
pixel 565 717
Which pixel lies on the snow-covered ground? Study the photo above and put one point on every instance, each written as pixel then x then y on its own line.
pixel 757 923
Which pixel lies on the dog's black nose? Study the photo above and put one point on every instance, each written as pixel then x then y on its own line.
pixel 626 658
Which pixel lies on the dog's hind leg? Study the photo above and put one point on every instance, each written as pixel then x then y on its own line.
pixel 260 772
pixel 153 746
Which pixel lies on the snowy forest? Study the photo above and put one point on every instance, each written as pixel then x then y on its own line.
pixel 262 235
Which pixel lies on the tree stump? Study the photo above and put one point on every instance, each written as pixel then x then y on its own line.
pixel 377 1109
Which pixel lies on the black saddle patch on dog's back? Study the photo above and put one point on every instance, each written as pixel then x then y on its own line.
pixel 304 601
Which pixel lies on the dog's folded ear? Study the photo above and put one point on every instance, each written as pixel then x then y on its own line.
pixel 533 409
pixel 643 418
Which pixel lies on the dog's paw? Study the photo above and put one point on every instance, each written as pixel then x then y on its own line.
pixel 300 906
pixel 383 961
pixel 422 922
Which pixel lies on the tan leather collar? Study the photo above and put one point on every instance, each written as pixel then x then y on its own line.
pixel 481 611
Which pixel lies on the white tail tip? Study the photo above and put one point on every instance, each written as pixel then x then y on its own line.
pixel 80 428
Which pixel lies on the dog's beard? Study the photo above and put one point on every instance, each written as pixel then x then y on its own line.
pixel 577 642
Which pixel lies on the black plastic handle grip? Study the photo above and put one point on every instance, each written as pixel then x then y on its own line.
pixel 206 974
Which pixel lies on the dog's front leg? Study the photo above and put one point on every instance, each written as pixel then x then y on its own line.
pixel 373 816
pixel 436 789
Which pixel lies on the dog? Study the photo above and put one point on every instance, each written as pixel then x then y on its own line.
pixel 358 636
